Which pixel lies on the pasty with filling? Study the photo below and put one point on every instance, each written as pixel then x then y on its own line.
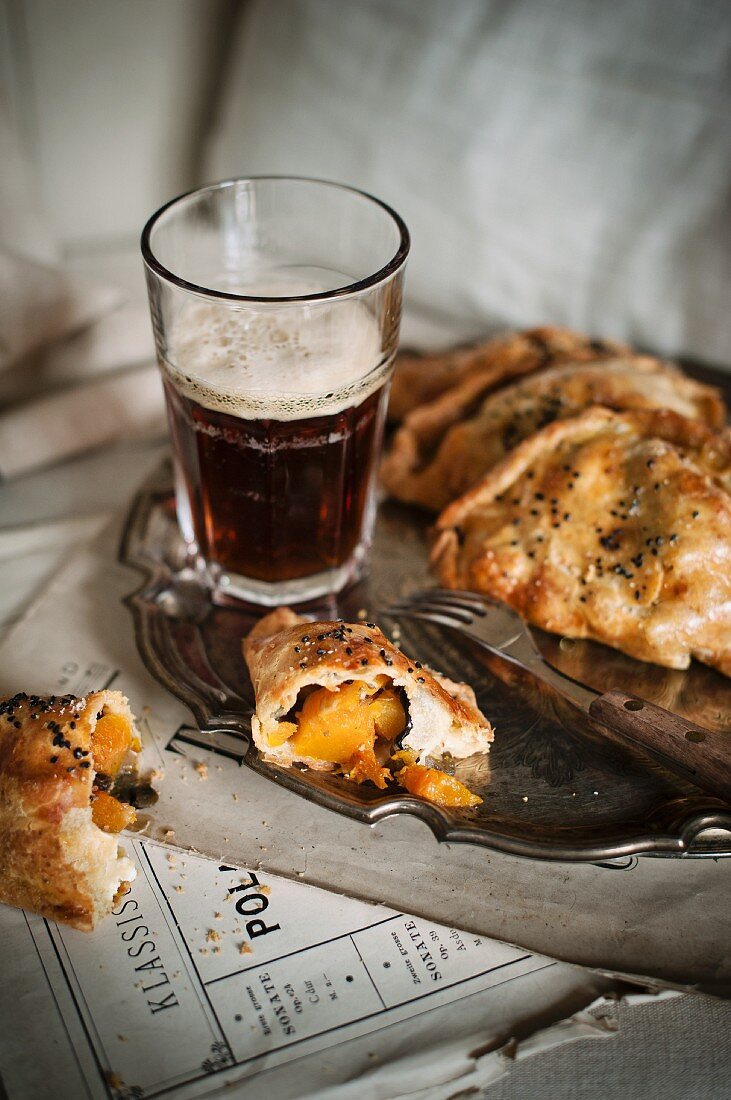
pixel 611 526
pixel 340 697
pixel 421 378
pixel 443 449
pixel 58 817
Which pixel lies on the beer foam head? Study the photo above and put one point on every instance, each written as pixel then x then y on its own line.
pixel 276 363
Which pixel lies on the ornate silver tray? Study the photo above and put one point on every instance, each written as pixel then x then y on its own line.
pixel 553 786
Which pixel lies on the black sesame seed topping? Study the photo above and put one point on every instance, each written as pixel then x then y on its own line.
pixel 54 759
pixel 613 540
pixel 349 651
pixel 85 764
pixel 78 753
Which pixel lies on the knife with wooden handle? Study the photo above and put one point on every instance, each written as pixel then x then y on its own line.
pixel 698 755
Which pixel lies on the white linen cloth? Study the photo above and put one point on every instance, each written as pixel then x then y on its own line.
pixel 59 332
pixel 563 162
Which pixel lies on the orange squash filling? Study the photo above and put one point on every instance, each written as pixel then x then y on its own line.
pixel 436 786
pixel 111 815
pixel 341 727
pixel 111 741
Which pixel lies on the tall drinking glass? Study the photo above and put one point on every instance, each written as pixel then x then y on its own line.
pixel 276 305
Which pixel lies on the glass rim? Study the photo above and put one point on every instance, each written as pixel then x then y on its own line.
pixel 382 275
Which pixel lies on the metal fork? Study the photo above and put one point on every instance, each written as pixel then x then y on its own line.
pixel 695 753
pixel 495 626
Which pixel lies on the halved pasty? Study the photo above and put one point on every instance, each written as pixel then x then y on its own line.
pixel 444 448
pixel 422 378
pixel 340 696
pixel 611 526
pixel 58 758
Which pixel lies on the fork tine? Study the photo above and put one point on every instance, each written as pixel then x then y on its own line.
pixel 445 598
pixel 456 615
pixel 444 617
pixel 462 594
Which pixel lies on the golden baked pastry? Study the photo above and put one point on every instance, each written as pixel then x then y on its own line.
pixel 422 378
pixel 58 854
pixel 446 447
pixel 611 526
pixel 340 697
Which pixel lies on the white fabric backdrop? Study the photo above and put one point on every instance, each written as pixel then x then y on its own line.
pixel 564 161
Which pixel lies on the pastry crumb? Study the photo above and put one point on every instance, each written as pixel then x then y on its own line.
pixel 212 936
pixel 245 948
pixel 202 768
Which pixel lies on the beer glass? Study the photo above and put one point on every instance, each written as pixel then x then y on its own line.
pixel 276 305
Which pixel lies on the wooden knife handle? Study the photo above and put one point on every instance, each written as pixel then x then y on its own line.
pixel 698 754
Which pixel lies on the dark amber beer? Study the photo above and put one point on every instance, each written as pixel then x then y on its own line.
pixel 277 500
pixel 276 306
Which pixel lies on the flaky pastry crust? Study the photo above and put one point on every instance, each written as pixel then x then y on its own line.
pixel 422 378
pixel 611 526
pixel 53 859
pixel 286 653
pixel 444 448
